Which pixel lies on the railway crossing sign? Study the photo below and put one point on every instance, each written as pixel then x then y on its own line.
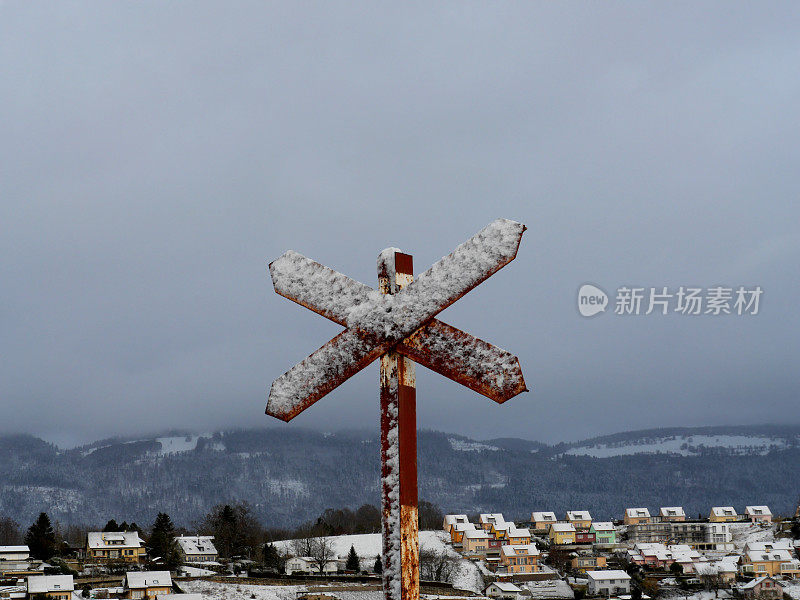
pixel 397 324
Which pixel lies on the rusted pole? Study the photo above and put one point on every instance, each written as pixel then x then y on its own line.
pixel 398 450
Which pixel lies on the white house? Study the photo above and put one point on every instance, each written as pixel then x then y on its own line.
pixel 506 591
pixel 15 553
pixel 197 548
pixel 606 583
pixel 758 514
pixel 718 533
pixel 306 564
pixel 58 587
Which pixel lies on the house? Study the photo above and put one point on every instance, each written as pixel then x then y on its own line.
pixel 146 584
pixel 584 536
pixel 687 557
pixel 562 533
pixel 197 548
pixel 723 514
pixel 606 583
pixel 604 532
pixel 672 513
pixel 542 520
pixel 781 544
pixel 125 546
pixel 457 531
pixel 685 532
pixel 519 560
pixel 634 516
pixel 588 563
pixel 502 590
pixel 14 553
pixel 650 531
pixel 475 542
pixel 580 519
pixel 58 587
pixel 306 564
pixel 758 514
pixel 724 569
pixel 450 520
pixel 763 588
pixel 652 554
pixel 718 533
pixel 758 563
pixel 489 520
pixel 517 536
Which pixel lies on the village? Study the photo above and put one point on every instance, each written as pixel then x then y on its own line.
pixel 642 555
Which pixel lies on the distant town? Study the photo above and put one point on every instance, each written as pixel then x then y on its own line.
pixel 644 554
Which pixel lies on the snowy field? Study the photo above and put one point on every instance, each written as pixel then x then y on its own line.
pixel 234 591
pixel 682 445
pixel 368 546
pixel 467 446
pixel 743 533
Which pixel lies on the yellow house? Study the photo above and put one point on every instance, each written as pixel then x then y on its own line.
pixel 723 514
pixel 518 537
pixel 634 516
pixel 759 563
pixel 457 531
pixel 519 560
pixel 580 519
pixel 562 533
pixel 489 520
pixel 588 563
pixel 672 513
pixel 114 546
pixel 450 520
pixel 147 584
pixel 475 542
pixel 58 587
pixel 542 520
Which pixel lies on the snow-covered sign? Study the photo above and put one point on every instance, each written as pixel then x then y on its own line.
pixel 397 323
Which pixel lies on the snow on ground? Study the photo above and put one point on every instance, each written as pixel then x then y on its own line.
pixel 368 546
pixel 544 590
pixel 467 446
pixel 195 571
pixel 685 445
pixel 236 591
pixel 792 589
pixel 700 595
pixel 182 443
pixel 742 533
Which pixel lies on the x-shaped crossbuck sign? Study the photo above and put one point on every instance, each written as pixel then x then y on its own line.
pixel 404 321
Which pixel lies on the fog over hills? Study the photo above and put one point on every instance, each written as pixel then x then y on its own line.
pixel 291 475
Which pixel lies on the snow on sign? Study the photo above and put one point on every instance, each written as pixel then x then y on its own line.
pixel 397 324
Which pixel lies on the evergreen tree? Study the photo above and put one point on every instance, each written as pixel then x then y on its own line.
pixel 41 538
pixel 124 526
pixel 162 542
pixel 378 566
pixel 353 563
pixel 271 559
pixel 111 526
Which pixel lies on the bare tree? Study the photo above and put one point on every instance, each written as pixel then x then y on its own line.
pixel 303 546
pixel 712 582
pixel 10 534
pixel 322 552
pixel 436 566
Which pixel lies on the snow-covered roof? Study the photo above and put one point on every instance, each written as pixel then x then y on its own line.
pixel 118 539
pixel 544 516
pixel 520 550
pixel 147 579
pixel 578 515
pixel 453 519
pixel 672 511
pixel 514 532
pixel 196 544
pixel 505 586
pixel 494 518
pixel 782 544
pixel 723 511
pixel 562 527
pixel 41 584
pixel 14 549
pixel 181 596
pixel 602 575
pixel 755 582
pixel 476 534
pixel 758 511
pixel 603 526
pixel 464 526
pixel 766 556
pixel 637 512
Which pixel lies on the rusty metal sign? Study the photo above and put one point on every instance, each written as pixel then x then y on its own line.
pixel 397 324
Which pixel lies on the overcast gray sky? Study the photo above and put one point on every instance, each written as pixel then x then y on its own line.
pixel 155 156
